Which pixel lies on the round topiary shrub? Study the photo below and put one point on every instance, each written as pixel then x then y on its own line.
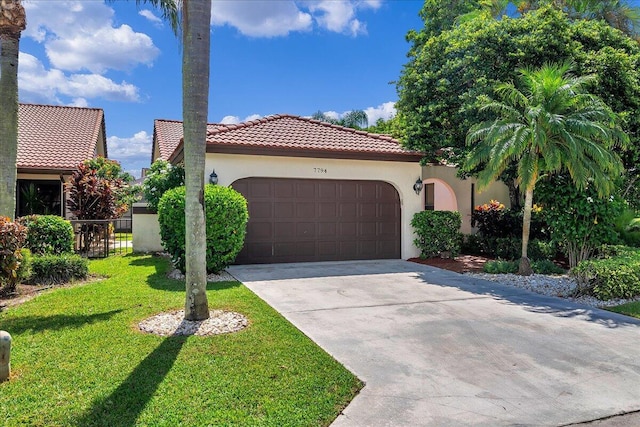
pixel 226 221
pixel 48 234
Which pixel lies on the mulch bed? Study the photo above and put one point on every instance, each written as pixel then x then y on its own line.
pixel 459 264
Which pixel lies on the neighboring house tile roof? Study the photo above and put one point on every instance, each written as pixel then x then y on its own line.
pixel 287 135
pixel 167 135
pixel 58 138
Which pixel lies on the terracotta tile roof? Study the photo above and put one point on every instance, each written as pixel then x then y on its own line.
pixel 57 137
pixel 167 135
pixel 298 136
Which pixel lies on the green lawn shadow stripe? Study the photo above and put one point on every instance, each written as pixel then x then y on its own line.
pixel 125 404
pixel 54 322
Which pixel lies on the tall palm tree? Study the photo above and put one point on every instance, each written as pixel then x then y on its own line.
pixel 196 40
pixel 549 126
pixel 12 23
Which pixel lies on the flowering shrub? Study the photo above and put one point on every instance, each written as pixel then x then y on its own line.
pixel 162 176
pixel 494 220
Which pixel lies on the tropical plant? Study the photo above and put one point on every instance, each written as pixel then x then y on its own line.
pixel 12 23
pixel 355 119
pixel 550 125
pixel 93 197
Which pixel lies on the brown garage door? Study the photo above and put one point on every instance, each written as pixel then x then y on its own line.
pixel 298 220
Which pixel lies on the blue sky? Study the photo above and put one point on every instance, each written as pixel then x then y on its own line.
pixel 267 57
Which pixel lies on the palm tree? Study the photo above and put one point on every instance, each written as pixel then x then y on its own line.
pixel 196 40
pixel 12 23
pixel 551 125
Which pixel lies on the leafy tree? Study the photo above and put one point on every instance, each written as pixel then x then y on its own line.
pixel 162 176
pixel 550 125
pixel 450 74
pixel 12 23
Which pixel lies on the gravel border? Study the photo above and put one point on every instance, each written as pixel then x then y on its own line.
pixel 558 286
pixel 173 323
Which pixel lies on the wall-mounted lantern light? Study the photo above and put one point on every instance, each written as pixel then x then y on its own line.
pixel 417 187
pixel 213 178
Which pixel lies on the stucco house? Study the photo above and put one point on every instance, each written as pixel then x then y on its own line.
pixel 316 191
pixel 52 141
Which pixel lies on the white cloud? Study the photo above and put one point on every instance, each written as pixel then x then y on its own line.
pixel 383 111
pixel 133 153
pixel 37 84
pixel 81 35
pixel 333 115
pixel 338 16
pixel 268 18
pixel 261 18
pixel 232 120
pixel 146 13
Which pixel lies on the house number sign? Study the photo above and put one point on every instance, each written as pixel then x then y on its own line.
pixel 320 170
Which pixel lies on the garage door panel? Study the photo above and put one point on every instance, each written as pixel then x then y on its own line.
pixel 327 190
pixel 284 209
pixel 284 231
pixel 305 189
pixel 260 209
pixel 305 210
pixel 348 210
pixel 283 189
pixel 327 230
pixel 260 190
pixel 260 230
pixel 327 210
pixel 297 220
pixel 306 230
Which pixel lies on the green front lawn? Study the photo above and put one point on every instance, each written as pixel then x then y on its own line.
pixel 630 309
pixel 78 359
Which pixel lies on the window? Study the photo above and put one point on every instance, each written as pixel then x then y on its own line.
pixel 429 197
pixel 38 197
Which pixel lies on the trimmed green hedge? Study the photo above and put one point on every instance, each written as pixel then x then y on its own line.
pixel 438 233
pixel 226 222
pixel 57 269
pixel 505 267
pixel 48 234
pixel 615 276
pixel 508 248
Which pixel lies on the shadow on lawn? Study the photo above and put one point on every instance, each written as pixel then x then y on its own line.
pixel 160 281
pixel 124 405
pixel 54 322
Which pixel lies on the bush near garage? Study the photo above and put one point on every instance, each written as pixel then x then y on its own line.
pixel 616 275
pixel 226 222
pixel 438 233
pixel 48 234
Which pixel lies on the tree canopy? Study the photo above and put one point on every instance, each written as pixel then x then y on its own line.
pixel 454 66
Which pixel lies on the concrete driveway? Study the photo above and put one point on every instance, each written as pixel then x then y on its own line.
pixel 439 348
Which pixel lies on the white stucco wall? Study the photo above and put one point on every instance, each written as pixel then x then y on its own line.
pixel 146 231
pixel 462 190
pixel 402 175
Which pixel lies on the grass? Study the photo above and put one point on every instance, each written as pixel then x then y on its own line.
pixel 78 359
pixel 630 309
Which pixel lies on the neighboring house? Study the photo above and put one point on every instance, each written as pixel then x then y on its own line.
pixel 316 191
pixel 52 141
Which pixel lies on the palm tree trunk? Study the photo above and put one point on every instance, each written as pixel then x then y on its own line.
pixel 195 102
pixel 9 47
pixel 525 265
